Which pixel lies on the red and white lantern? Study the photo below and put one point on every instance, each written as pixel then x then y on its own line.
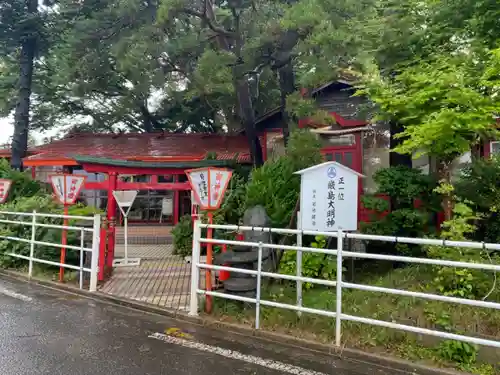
pixel 67 187
pixel 209 186
pixel 5 186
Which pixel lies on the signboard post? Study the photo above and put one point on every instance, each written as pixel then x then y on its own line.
pixel 5 186
pixel 328 202
pixel 208 186
pixel 66 187
pixel 125 200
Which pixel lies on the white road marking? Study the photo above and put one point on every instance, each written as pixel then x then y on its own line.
pixel 268 363
pixel 12 294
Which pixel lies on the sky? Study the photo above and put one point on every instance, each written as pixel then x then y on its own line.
pixel 6 129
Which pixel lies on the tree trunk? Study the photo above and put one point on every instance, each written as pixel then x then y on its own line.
pixel 287 87
pixel 444 176
pixel 147 121
pixel 284 65
pixel 22 113
pixel 396 159
pixel 247 116
pixel 476 151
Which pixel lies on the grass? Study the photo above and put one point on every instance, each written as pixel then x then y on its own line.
pixel 49 273
pixel 456 318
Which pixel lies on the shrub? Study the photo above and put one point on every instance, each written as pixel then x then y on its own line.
pixel 314 265
pixel 233 206
pixel 42 203
pixel 479 185
pixel 22 183
pixel 182 234
pixel 413 201
pixel 275 186
pixel 462 282
pixel 27 195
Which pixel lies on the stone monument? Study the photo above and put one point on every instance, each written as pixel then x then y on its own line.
pixel 245 256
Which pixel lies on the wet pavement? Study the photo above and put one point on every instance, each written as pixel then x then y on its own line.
pixel 46 331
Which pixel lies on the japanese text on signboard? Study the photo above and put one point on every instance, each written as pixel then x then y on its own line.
pixel 335 192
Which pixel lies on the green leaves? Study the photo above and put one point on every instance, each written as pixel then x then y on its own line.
pixel 442 104
pixel 275 186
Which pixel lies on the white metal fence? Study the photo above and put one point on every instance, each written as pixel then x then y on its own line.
pixel 33 220
pixel 339 284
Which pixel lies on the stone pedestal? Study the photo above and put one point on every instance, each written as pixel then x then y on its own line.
pixel 245 256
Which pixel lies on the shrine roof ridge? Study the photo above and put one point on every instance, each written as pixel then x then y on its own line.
pixel 329 163
pixel 82 159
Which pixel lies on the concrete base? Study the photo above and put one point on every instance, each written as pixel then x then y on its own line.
pixel 130 262
pixel 188 259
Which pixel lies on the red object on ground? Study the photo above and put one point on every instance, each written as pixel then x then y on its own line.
pixel 224 275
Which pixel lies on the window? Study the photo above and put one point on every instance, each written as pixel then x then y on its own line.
pixel 148 206
pixel 495 147
pixel 165 179
pixel 336 140
pixel 136 178
pixel 95 198
pixel 342 157
pixel 275 145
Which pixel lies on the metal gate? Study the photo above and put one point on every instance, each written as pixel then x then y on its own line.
pixel 162 278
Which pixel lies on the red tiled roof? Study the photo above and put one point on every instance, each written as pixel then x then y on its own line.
pixel 7 152
pixel 145 146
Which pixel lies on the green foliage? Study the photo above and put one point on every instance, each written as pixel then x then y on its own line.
pixel 318 266
pixel 26 196
pixel 182 234
pixel 42 203
pixel 478 185
pixel 403 187
pixel 457 351
pixel 232 207
pixel 22 183
pixel 445 104
pixel 231 210
pixel 275 185
pixel 463 283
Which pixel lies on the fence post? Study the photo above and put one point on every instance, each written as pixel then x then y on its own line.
pixel 259 281
pixel 94 261
pixel 32 244
pixel 338 305
pixel 299 262
pixel 82 245
pixel 195 271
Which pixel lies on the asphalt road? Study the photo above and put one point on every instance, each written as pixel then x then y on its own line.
pixel 46 331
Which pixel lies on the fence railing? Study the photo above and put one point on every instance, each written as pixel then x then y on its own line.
pixel 33 220
pixel 339 284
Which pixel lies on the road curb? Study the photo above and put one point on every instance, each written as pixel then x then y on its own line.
pixel 359 356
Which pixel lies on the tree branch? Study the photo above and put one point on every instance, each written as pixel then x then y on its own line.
pixel 204 17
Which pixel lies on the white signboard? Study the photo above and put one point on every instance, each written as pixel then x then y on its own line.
pixel 209 186
pixel 67 187
pixel 4 189
pixel 125 198
pixel 199 183
pixel 167 206
pixel 329 197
